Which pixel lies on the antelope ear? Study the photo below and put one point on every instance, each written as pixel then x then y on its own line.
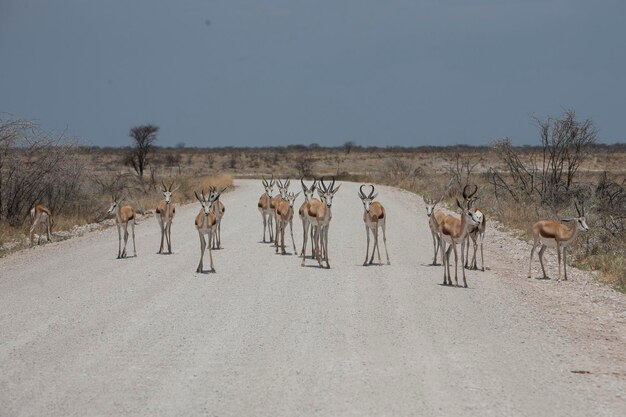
pixel 176 189
pixel 336 189
pixel 297 194
pixel 424 198
pixel 224 189
pixel 287 183
pixel 374 196
pixel 567 220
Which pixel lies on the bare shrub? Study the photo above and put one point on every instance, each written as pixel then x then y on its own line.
pixel 35 167
pixel 549 176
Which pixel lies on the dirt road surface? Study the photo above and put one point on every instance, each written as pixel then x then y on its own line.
pixel 85 334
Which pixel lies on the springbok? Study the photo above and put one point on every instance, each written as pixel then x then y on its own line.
pixel 477 234
pixel 306 224
pixel 40 215
pixel 434 218
pixel 218 209
pixel 322 216
pixel 165 212
pixel 265 207
pixel 123 216
pixel 549 233
pixel 373 217
pixel 454 231
pixel 283 188
pixel 205 224
pixel 285 216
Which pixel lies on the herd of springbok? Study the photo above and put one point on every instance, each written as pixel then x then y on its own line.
pixel 277 211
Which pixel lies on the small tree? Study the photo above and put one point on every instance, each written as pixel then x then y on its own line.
pixel 348 147
pixel 144 136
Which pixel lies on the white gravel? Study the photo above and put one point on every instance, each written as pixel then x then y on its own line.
pixel 85 334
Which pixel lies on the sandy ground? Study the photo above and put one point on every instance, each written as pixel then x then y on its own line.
pixel 85 334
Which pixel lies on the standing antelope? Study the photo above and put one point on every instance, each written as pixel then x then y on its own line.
pixel 40 215
pixel 265 207
pixel 123 216
pixel 283 188
pixel 477 234
pixel 205 224
pixel 322 216
pixel 165 212
pixel 549 233
pixel 454 231
pixel 285 215
pixel 218 209
pixel 306 223
pixel 374 217
pixel 435 217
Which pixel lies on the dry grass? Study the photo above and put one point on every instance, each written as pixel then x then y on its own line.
pixel 96 203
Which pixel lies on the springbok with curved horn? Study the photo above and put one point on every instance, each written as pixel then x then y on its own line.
pixel 165 212
pixel 283 189
pixel 306 222
pixel 454 231
pixel 40 216
pixel 549 233
pixel 323 216
pixel 219 209
pixel 123 216
pixel 373 217
pixel 265 207
pixel 205 224
pixel 285 216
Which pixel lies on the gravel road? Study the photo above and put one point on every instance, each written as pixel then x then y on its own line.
pixel 85 334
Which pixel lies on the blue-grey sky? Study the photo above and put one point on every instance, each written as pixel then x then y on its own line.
pixel 276 72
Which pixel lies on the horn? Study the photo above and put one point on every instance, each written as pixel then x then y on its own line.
pixel 467 196
pixel 163 185
pixel 265 184
pixel 372 193
pixel 287 182
pixel 198 197
pixel 304 187
pixel 332 184
pixel 361 191
pixel 578 209
pixel 323 186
